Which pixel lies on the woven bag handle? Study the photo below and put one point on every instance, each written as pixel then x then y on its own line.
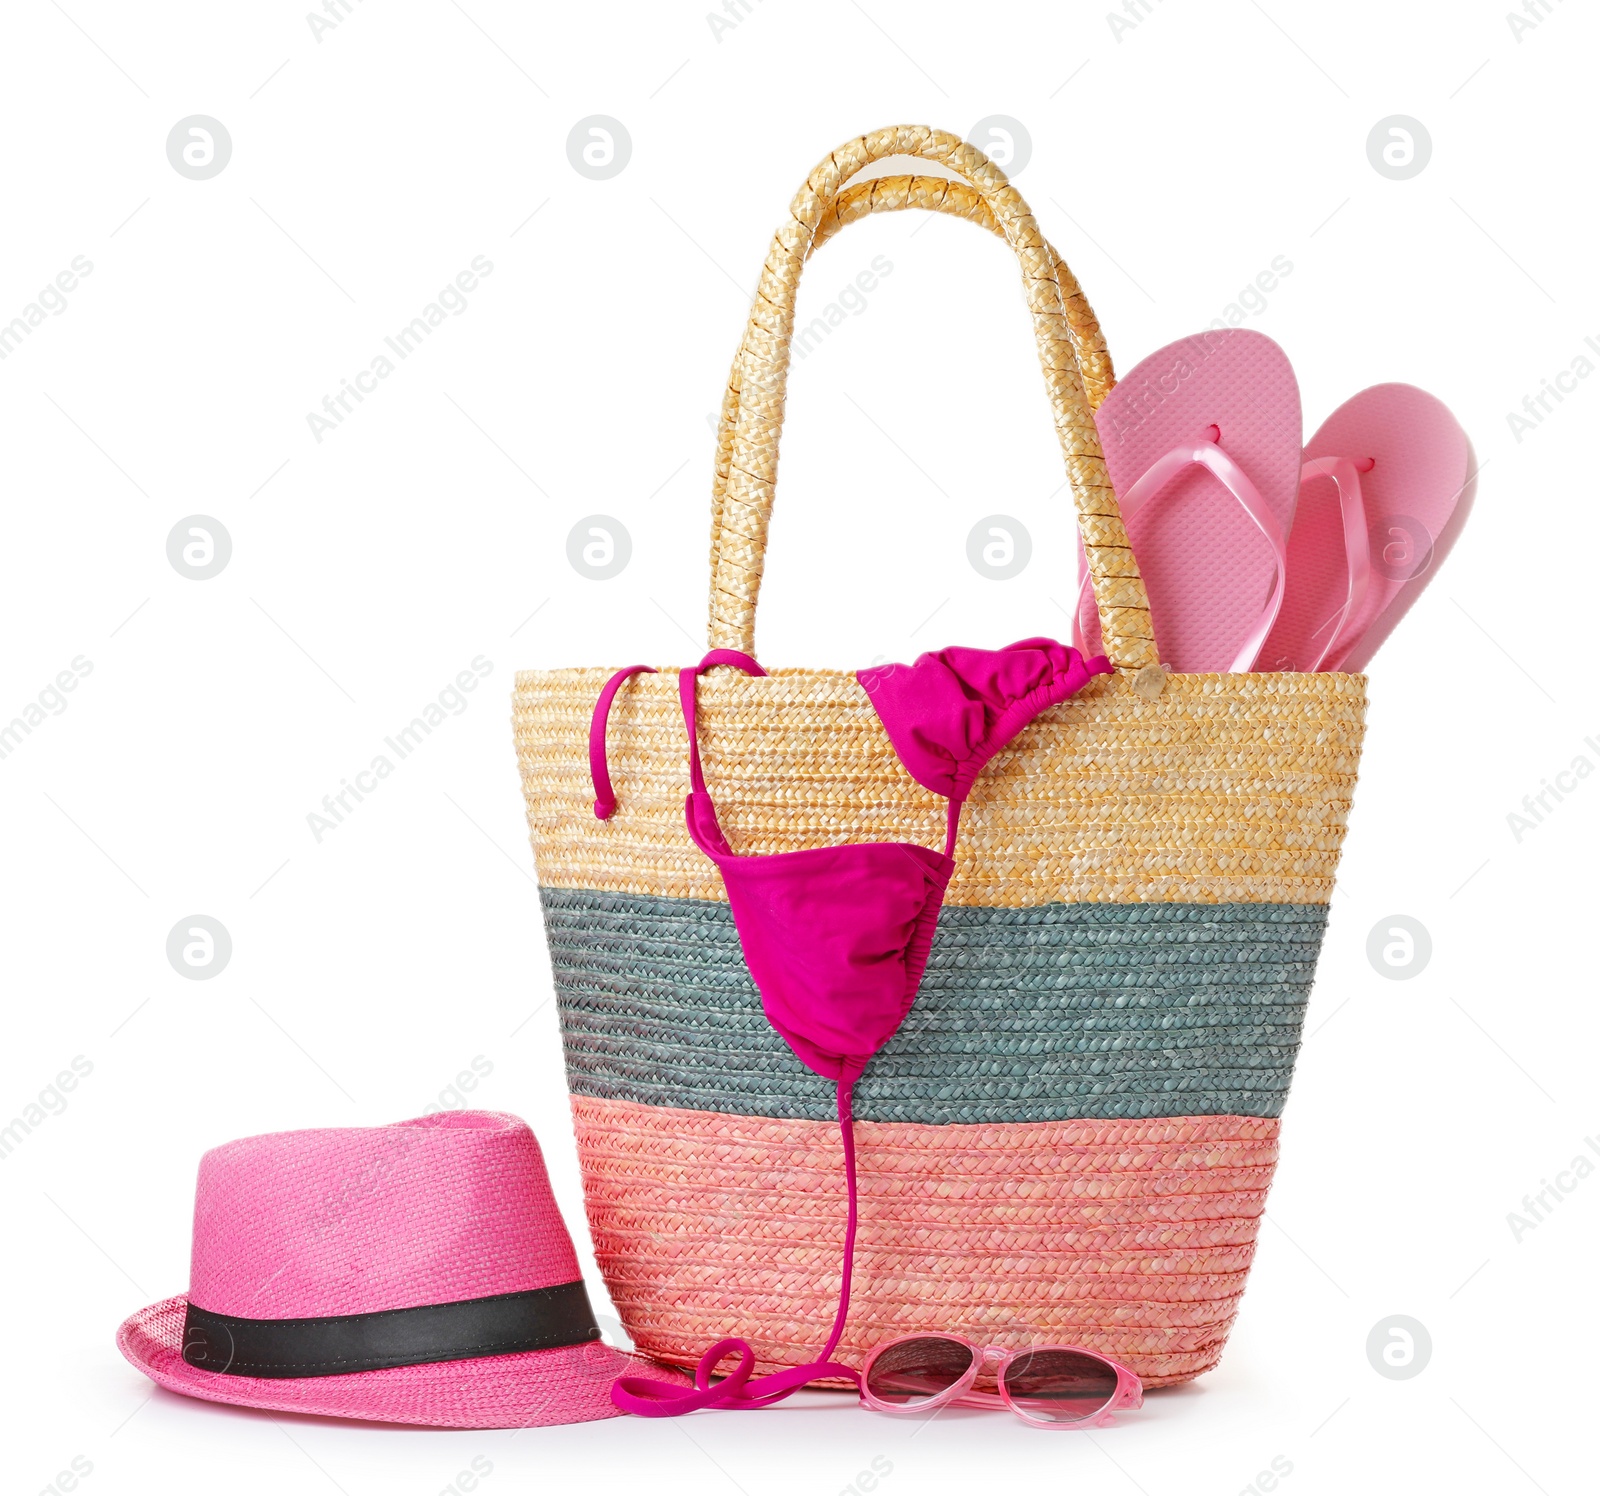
pixel 961 200
pixel 1063 322
pixel 892 195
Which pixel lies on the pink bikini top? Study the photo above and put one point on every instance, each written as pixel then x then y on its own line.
pixel 836 938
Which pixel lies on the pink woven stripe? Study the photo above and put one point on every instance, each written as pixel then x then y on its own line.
pixel 1129 1237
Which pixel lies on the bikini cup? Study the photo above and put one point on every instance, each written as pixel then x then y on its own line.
pixel 953 709
pixel 836 938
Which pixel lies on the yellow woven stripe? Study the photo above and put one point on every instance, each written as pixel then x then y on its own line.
pixel 1226 789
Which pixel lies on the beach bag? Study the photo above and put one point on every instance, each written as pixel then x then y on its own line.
pixel 1071 1136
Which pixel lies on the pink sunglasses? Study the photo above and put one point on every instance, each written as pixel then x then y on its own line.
pixel 1049 1386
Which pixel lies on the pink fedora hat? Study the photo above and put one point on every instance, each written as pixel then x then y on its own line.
pixel 419 1273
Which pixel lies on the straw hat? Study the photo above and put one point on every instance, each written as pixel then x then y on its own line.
pixel 418 1273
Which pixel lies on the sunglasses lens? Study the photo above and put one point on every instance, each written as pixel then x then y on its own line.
pixel 1060 1386
pixel 916 1370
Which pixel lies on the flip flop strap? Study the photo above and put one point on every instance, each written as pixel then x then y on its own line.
pixel 1357 551
pixel 1156 480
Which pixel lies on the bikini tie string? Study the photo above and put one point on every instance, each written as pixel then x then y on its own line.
pixel 652 1399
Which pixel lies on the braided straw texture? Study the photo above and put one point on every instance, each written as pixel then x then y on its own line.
pixel 1131 1238
pixel 1018 1179
pixel 934 195
pixel 1023 1015
pixel 1226 789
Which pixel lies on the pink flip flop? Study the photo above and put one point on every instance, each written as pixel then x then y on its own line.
pixel 1386 486
pixel 1202 442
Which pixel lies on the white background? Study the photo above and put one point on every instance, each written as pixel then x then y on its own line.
pixel 368 168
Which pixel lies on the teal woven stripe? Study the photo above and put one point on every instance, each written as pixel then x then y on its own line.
pixel 1024 1015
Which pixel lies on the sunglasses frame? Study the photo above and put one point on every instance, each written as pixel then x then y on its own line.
pixel 1129 1392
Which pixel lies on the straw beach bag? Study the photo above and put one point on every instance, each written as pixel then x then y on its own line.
pixel 1071 1136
